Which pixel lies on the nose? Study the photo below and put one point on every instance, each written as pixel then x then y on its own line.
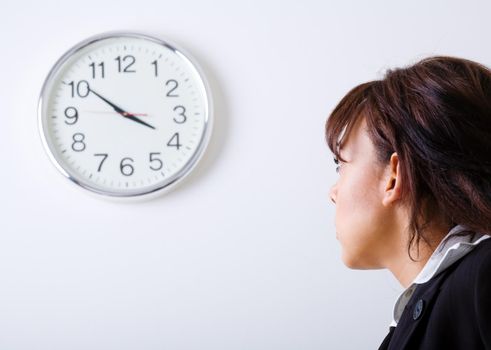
pixel 333 193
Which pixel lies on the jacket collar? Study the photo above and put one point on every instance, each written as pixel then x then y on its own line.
pixel 452 248
pixel 398 337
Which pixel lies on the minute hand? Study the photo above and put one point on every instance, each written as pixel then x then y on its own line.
pixel 121 111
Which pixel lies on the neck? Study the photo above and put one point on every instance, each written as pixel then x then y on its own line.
pixel 402 267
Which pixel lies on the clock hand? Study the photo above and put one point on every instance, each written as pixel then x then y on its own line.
pixel 109 112
pixel 121 111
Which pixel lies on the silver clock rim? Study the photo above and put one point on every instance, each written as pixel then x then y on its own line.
pixel 167 183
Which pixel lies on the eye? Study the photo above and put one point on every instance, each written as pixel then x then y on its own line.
pixel 337 162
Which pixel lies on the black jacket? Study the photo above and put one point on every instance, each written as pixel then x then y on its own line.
pixel 450 311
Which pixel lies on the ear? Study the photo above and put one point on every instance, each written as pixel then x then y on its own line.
pixel 393 181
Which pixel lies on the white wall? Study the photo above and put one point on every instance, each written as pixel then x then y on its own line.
pixel 243 254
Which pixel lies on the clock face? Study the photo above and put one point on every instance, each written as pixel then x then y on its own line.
pixel 125 114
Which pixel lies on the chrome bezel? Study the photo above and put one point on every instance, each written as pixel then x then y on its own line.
pixel 167 183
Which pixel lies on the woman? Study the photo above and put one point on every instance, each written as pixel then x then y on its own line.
pixel 414 196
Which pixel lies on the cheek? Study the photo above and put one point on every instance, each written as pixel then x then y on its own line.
pixel 358 219
pixel 355 200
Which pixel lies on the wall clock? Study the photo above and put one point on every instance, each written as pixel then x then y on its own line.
pixel 125 114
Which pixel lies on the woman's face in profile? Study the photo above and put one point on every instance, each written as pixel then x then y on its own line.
pixel 363 224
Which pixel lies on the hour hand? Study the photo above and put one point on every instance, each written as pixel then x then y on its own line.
pixel 121 111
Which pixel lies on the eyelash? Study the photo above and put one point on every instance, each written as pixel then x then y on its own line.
pixel 337 162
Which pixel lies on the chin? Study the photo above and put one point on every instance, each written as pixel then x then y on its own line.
pixel 353 264
pixel 357 262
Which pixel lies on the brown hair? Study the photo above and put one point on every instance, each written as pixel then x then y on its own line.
pixel 436 115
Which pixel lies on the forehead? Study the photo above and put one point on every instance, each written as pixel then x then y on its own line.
pixel 356 141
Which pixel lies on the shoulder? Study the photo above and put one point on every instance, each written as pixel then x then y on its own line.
pixel 465 294
pixel 459 314
pixel 463 290
pixel 481 251
pixel 453 309
pixel 470 287
pixel 474 265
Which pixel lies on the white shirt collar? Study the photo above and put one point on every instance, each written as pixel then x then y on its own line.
pixel 450 249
